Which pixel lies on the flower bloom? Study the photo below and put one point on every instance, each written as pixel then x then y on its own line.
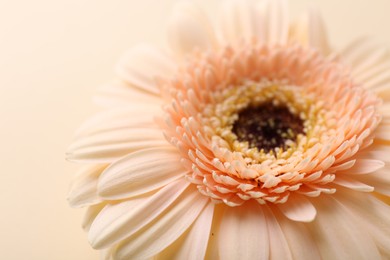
pixel 248 139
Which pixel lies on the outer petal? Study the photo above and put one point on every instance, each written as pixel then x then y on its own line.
pixel 136 116
pixel 337 234
pixel 108 146
pixel 243 233
pixel 239 20
pixel 299 239
pixel 164 230
pixel 372 214
pixel 120 94
pixel 189 29
pixel 83 189
pixel 276 20
pixel 119 221
pixel 192 245
pixel 142 65
pixel 140 172
pixel 278 247
pixel 317 32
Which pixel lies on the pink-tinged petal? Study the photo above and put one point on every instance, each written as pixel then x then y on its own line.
pixel 276 19
pixel 239 21
pixel 190 29
pixel 317 35
pixel 108 146
pixel 372 214
pixel 298 237
pixel 164 230
pixel 192 245
pixel 119 221
pixel 90 215
pixel 364 166
pixel 83 189
pixel 338 235
pixel 121 94
pixel 243 233
pixel 140 172
pixel 142 65
pixel 298 208
pixel 353 184
pixel 278 246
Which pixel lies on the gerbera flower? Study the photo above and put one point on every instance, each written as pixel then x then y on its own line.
pixel 248 139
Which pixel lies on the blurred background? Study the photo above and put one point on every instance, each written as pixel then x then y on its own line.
pixel 53 56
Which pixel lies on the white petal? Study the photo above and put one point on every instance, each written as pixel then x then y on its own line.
pixel 121 94
pixel 108 146
pixel 142 65
pixel 83 189
pixel 239 20
pixel 90 215
pixel 373 216
pixel 119 221
pixel 317 31
pixel 276 19
pixel 243 233
pixel 140 172
pixel 192 245
pixel 278 246
pixel 338 235
pixel 298 237
pixel 164 230
pixel 189 29
pixel 298 208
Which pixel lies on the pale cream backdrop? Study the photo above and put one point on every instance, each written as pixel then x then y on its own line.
pixel 53 56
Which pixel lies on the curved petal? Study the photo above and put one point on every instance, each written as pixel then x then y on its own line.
pixel 298 237
pixel 165 229
pixel 243 233
pixel 90 215
pixel 189 28
pixel 140 172
pixel 373 216
pixel 298 208
pixel 83 189
pixel 192 245
pixel 142 65
pixel 119 221
pixel 336 234
pixel 278 246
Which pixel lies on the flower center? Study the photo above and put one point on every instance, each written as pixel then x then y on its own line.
pixel 267 127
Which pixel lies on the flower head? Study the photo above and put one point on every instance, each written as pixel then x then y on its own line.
pixel 249 139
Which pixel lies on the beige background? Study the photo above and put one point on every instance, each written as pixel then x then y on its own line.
pixel 53 55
